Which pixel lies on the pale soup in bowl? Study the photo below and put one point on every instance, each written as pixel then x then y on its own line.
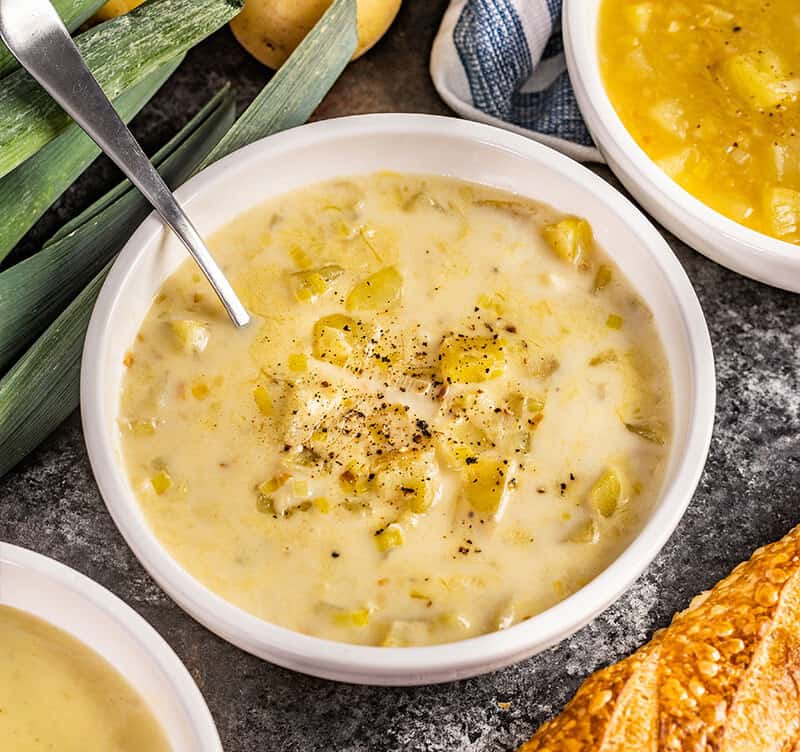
pixel 711 92
pixel 450 412
pixel 58 694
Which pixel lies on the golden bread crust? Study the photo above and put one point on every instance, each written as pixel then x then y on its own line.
pixel 723 677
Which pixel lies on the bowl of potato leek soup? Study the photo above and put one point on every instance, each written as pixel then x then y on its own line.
pixel 80 670
pixel 475 398
pixel 696 106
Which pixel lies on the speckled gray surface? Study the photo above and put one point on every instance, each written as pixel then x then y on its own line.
pixel 747 496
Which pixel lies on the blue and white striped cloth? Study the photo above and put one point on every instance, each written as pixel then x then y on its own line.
pixel 502 62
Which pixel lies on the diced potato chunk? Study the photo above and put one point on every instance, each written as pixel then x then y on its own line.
pixel 452 620
pixel 669 114
pixel 713 14
pixel 355 479
pixel 378 292
pixel 308 406
pixel 333 338
pixel 639 16
pixel 494 303
pixel 460 442
pixel 405 632
pixel 677 163
pixel 191 336
pixel 571 238
pixel 161 482
pixel 525 405
pixel 265 504
pixel 606 493
pixel 586 532
pixel 410 478
pixel 263 400
pixel 308 285
pixel 782 209
pixel 469 360
pixel 760 78
pixel 487 484
pixel 508 615
pixel 786 158
pixel 418 494
pixel 301 489
pixel 636 60
pixel 471 423
pixel 389 537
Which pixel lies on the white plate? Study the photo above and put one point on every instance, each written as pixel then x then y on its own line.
pixel 66 599
pixel 411 143
pixel 735 246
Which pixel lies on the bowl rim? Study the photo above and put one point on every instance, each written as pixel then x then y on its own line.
pixel 428 664
pixel 136 628
pixel 638 171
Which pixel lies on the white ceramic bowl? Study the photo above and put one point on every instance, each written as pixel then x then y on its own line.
pixel 735 246
pixel 412 143
pixel 68 600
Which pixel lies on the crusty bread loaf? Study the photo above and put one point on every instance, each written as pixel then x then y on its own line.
pixel 723 677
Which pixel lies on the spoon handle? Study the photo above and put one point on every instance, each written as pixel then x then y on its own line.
pixel 34 33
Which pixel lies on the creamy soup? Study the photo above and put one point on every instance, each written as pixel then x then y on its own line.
pixel 711 91
pixel 450 412
pixel 57 695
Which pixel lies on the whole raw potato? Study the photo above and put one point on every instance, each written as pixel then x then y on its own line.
pixel 114 8
pixel 270 29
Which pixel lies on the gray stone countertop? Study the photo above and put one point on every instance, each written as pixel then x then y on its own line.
pixel 746 498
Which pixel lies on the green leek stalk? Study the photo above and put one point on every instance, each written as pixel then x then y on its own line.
pixel 34 291
pixel 299 85
pixel 42 388
pixel 73 13
pixel 120 53
pixel 28 191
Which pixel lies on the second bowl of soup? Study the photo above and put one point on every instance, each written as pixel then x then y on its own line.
pixel 457 411
pixel 696 107
pixel 80 670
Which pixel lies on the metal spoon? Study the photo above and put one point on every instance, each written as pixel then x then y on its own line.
pixel 36 36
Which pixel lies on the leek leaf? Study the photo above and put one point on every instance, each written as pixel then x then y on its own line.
pixel 73 13
pixel 42 388
pixel 120 53
pixel 300 84
pixel 28 191
pixel 34 291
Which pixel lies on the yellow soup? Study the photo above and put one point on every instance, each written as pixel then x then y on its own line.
pixel 450 411
pixel 57 695
pixel 711 91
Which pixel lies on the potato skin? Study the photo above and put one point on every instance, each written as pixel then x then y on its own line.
pixel 114 8
pixel 271 29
